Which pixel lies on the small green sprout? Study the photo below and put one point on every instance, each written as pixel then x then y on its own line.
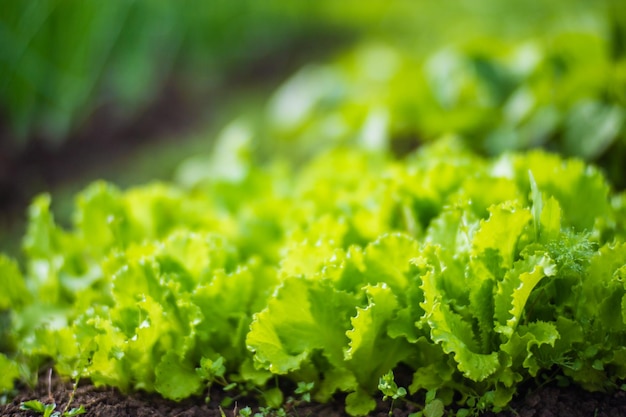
pixel 387 385
pixel 47 410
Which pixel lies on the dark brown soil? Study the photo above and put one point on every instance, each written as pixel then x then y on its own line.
pixel 546 401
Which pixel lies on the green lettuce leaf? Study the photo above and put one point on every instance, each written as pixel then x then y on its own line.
pixel 10 373
pixel 14 294
pixel 302 317
pixel 371 352
pixel 455 335
pixel 515 289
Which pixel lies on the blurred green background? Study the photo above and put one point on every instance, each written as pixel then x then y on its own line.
pixel 126 90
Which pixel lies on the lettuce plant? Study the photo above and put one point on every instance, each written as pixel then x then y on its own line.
pixel 475 274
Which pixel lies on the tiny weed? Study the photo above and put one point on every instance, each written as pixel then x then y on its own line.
pixel 387 385
pixel 48 410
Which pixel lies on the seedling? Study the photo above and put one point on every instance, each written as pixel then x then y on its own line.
pixel 387 385
pixel 48 410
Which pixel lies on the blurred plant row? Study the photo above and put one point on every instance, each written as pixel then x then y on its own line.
pixel 510 67
pixel 564 91
pixel 499 95
pixel 61 60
